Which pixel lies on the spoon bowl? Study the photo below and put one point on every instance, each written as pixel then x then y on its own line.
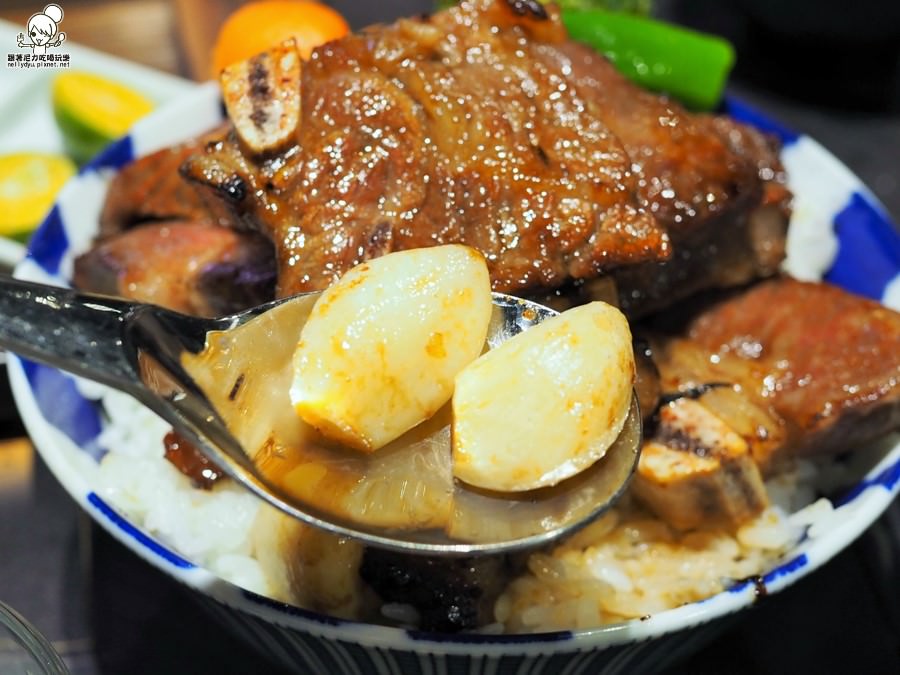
pixel 151 353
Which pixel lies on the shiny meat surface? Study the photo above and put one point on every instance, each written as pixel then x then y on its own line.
pixel 481 125
pixel 827 361
pixel 782 369
pixel 463 127
pixel 716 186
pixel 799 368
pixel 190 267
pixel 185 457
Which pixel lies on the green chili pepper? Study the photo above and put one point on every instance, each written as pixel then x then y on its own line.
pixel 632 6
pixel 688 65
pixel 635 6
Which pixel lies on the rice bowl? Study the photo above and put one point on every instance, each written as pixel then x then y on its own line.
pixel 142 500
pixel 626 565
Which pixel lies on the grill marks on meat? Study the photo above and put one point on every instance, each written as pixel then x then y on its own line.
pixel 688 369
pixel 695 470
pixel 811 369
pixel 705 460
pixel 262 96
pixel 465 127
pixel 481 125
pixel 163 241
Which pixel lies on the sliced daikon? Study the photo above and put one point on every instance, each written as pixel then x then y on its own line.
pixel 545 404
pixel 383 345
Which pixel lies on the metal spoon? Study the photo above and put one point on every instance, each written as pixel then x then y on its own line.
pixel 142 350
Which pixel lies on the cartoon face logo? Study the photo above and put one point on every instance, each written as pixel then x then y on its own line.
pixel 43 30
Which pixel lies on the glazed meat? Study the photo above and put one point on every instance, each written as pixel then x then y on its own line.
pixel 826 360
pixel 438 131
pixel 194 268
pixel 795 368
pixel 481 125
pixel 716 186
pixel 485 125
pixel 784 369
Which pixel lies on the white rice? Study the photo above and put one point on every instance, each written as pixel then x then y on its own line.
pixel 630 564
pixel 626 565
pixel 209 527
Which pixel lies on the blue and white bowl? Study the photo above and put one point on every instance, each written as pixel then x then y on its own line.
pixel 839 232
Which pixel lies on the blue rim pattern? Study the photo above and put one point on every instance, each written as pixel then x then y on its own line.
pixel 742 112
pixel 116 519
pixel 867 239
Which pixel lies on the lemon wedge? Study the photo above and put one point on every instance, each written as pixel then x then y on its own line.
pixel 93 111
pixel 29 183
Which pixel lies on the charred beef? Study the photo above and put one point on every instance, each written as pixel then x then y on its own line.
pixel 814 367
pixel 482 125
pixel 783 369
pixel 453 129
pixel 716 186
pixel 695 470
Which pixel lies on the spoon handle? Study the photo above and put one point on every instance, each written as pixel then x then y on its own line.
pixel 131 347
pixel 77 332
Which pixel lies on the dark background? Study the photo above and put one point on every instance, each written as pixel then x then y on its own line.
pixel 828 69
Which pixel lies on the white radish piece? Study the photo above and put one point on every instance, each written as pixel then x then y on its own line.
pixel 383 345
pixel 545 404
